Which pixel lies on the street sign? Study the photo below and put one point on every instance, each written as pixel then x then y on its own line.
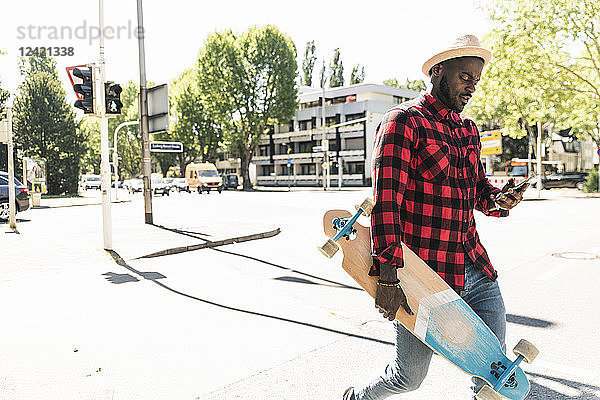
pixel 317 149
pixel 491 142
pixel 158 108
pixel 166 147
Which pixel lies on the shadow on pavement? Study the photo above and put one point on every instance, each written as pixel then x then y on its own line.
pixel 298 280
pixel 335 284
pixel 528 321
pixel 151 277
pixel 550 387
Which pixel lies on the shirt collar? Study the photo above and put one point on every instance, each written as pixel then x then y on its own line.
pixel 437 109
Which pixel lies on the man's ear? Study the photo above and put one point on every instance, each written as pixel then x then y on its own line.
pixel 436 70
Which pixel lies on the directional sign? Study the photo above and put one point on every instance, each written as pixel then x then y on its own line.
pixel 491 142
pixel 166 147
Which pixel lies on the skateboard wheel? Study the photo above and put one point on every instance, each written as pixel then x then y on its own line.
pixel 527 350
pixel 329 248
pixel 487 393
pixel 366 206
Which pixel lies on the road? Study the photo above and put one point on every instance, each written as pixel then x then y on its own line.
pixel 270 318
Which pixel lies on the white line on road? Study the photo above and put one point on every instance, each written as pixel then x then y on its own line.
pixel 583 375
pixel 556 270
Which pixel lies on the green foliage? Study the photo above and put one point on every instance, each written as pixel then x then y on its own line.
pixel 336 70
pixel 591 185
pixel 546 67
pixel 198 127
pixel 323 75
pixel 30 65
pixel 308 64
pixel 44 126
pixel 358 74
pixel 128 140
pixel 248 81
pixel 417 85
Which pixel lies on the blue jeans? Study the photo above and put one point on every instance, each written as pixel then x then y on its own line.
pixel 410 367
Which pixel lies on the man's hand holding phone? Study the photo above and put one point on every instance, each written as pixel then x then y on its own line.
pixel 511 194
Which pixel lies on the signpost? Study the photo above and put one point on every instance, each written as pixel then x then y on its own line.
pixel 491 142
pixel 166 147
pixel 158 108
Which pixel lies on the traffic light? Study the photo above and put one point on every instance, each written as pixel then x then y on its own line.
pixel 86 89
pixel 112 96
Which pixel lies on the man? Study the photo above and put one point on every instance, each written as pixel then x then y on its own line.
pixel 427 180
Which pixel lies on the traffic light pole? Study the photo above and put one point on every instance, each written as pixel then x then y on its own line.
pixel 146 165
pixel 104 147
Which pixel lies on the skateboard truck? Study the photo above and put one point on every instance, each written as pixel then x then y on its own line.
pixel 345 228
pixel 524 351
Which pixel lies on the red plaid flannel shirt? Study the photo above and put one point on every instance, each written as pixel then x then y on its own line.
pixel 427 179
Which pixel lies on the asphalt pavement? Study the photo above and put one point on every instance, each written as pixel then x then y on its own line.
pixel 268 317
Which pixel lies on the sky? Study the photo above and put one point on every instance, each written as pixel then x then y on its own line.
pixel 391 39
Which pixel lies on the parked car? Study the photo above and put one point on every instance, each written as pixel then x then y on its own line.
pixel 134 185
pixel 169 183
pixel 90 182
pixel 565 180
pixel 21 196
pixel 230 181
pixel 180 184
pixel 159 186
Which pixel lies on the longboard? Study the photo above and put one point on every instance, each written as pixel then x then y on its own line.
pixel 442 320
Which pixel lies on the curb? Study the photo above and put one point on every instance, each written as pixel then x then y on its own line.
pixel 239 239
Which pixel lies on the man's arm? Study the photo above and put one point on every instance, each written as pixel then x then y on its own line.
pixel 392 155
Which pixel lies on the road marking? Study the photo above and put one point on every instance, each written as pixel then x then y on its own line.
pixel 580 373
pixel 557 270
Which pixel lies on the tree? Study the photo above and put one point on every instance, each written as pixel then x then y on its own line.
pixel 44 126
pixel 336 70
pixel 249 84
pixel 417 85
pixel 198 126
pixel 358 74
pixel 308 65
pixel 323 76
pixel 546 67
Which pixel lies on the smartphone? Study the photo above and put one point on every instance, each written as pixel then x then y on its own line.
pixel 528 180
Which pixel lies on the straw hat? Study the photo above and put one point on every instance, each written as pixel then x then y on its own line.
pixel 464 46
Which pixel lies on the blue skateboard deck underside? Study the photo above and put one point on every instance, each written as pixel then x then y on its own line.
pixel 486 357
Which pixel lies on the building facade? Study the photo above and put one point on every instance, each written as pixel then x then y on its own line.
pixel 294 154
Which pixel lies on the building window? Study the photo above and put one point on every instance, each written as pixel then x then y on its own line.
pixel 352 117
pixel 267 170
pixel 353 144
pixel 355 167
pixel 263 150
pixel 307 169
pixel 304 125
pixel 304 147
pixel 285 170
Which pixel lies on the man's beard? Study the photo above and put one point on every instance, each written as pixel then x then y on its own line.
pixel 445 92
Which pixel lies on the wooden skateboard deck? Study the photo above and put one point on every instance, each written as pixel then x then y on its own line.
pixel 441 320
